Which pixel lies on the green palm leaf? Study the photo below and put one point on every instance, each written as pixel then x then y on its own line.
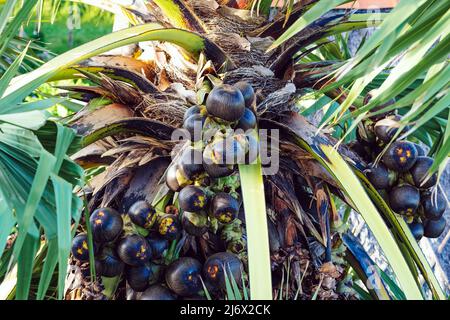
pixel 257 235
pixel 191 42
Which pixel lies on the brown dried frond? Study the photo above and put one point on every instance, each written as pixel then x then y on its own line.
pixel 239 49
pixel 225 19
pixel 306 280
pixel 260 78
pixel 81 287
pixel 278 101
pixel 166 108
pixel 121 92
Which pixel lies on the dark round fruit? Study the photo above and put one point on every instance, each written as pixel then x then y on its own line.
pixel 434 228
pixel 417 230
pixel 86 270
pixel 225 102
pixel 191 163
pixel 194 125
pixel 111 264
pixel 106 224
pixel 142 214
pixel 247 121
pixel 433 205
pixel 420 150
pixel 158 246
pixel 386 128
pixel 360 149
pixel 80 248
pixel 140 277
pixel 98 267
pixel 253 149
pixel 224 207
pixel 191 111
pixel 192 198
pixel 217 171
pixel 194 223
pixel 172 178
pixel 380 176
pixel 227 151
pixel 367 99
pixel 404 199
pixel 134 250
pixel 157 292
pixel 183 276
pixel 400 156
pixel 247 92
pixel 168 226
pixel 420 171
pixel 215 265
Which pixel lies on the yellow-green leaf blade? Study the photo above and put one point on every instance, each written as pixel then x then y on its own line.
pixel 257 233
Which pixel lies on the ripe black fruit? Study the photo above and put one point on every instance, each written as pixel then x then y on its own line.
pixel 380 176
pixel 247 121
pixel 142 214
pixel 420 171
pixel 111 265
pixel 172 178
pixel 247 92
pixel 140 277
pixel 192 198
pixel 220 263
pixel 191 163
pixel 404 199
pixel 224 207
pixel 168 226
pixel 80 248
pixel 217 171
pixel 400 156
pixel 434 228
pixel 106 224
pixel 191 111
pixel 158 246
pixel 433 205
pixel 134 250
pixel 194 125
pixel 183 276
pixel 361 150
pixel 367 99
pixel 157 292
pixel 417 229
pixel 420 150
pixel 226 151
pixel 252 150
pixel 225 102
pixel 86 270
pixel 386 128
pixel 194 223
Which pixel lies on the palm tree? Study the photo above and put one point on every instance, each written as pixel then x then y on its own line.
pixel 134 104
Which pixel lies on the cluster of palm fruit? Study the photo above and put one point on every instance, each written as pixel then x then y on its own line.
pixel 221 135
pixel 119 250
pixel 402 175
pixel 206 199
